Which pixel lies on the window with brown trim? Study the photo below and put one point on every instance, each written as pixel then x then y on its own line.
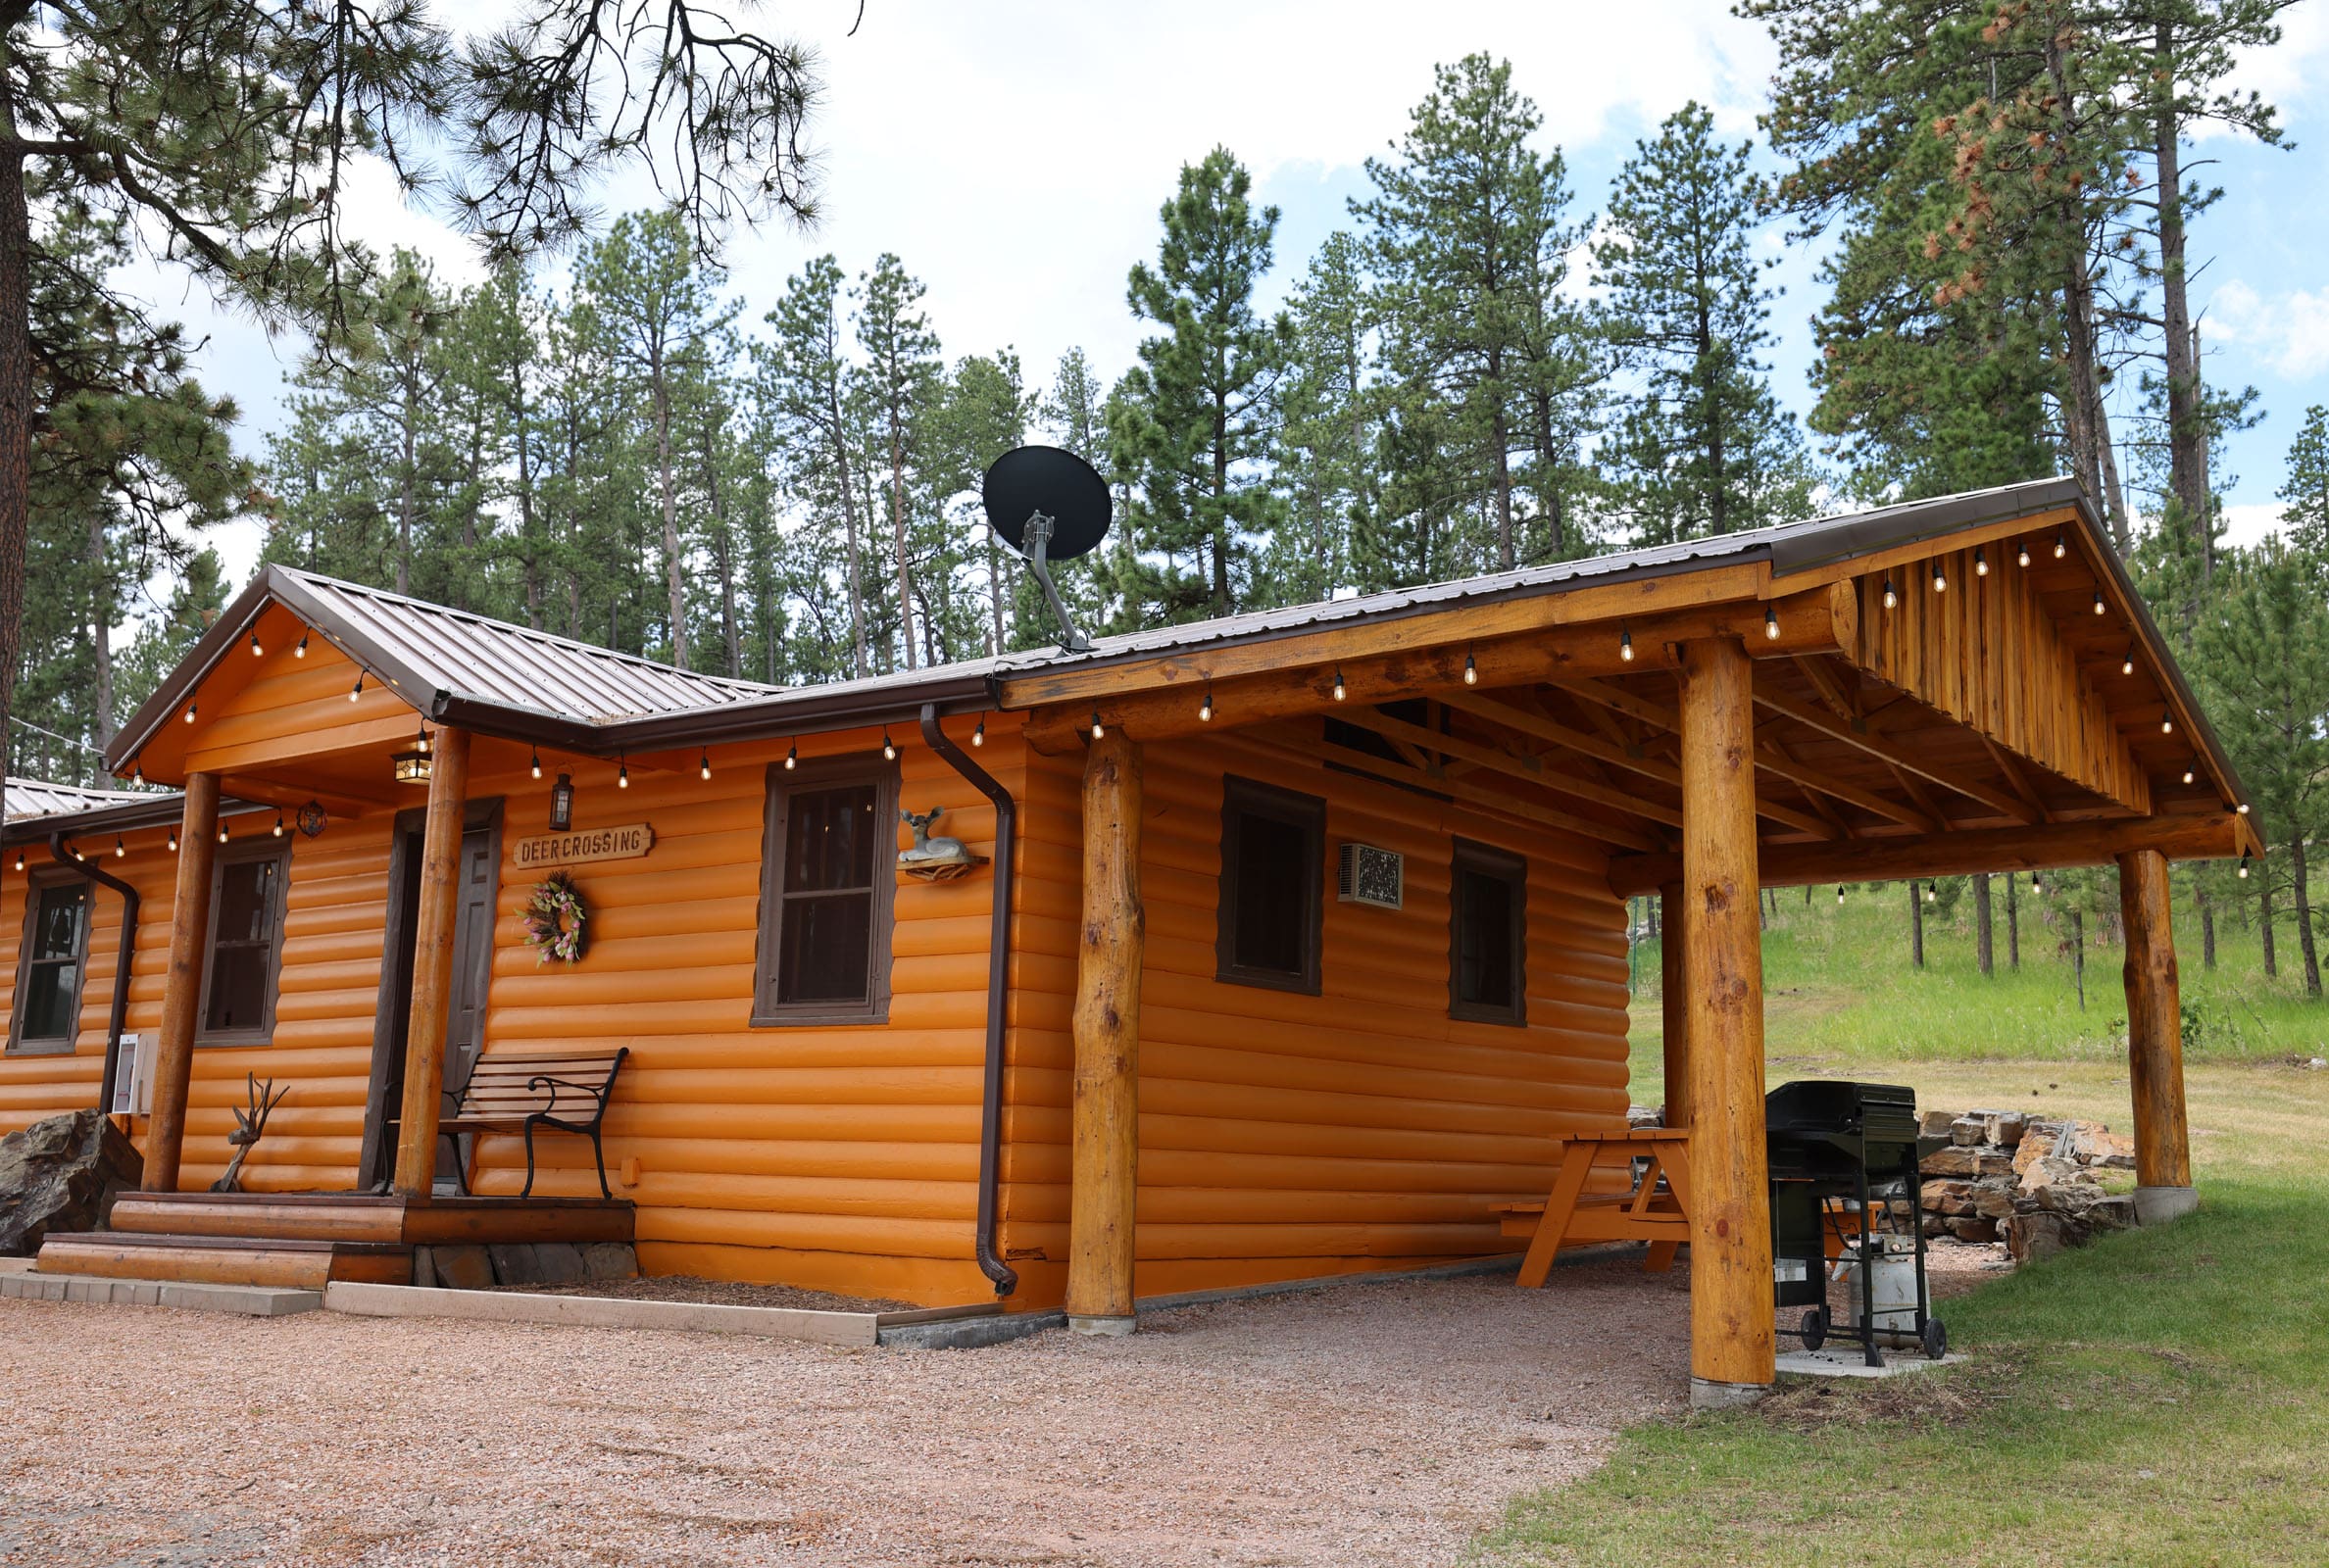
pixel 828 888
pixel 247 945
pixel 53 959
pixel 1273 869
pixel 1488 935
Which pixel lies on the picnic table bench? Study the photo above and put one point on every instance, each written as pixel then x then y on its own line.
pixel 566 1093
pixel 1655 1208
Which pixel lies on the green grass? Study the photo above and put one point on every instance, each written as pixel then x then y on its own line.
pixel 2159 1397
pixel 1837 981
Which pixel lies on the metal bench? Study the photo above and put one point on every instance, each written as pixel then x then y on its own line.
pixel 566 1093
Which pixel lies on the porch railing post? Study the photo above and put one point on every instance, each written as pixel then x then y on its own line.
pixel 432 962
pixel 1104 1162
pixel 1732 1348
pixel 181 984
pixel 2155 1040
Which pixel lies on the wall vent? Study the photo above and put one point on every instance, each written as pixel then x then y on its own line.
pixel 1368 875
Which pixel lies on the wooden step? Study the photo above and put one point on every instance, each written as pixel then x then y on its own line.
pixel 374 1217
pixel 295 1264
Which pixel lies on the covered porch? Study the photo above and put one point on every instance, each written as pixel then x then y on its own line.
pixel 1935 689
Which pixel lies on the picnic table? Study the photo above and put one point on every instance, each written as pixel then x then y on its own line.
pixel 1654 1207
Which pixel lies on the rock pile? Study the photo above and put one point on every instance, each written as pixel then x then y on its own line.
pixel 2028 1181
pixel 60 1174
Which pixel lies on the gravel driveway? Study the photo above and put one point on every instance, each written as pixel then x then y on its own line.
pixel 1368 1424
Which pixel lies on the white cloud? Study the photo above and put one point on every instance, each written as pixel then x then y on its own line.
pixel 2289 331
pixel 2246 524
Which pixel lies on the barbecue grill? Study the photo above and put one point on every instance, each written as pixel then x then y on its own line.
pixel 1829 1138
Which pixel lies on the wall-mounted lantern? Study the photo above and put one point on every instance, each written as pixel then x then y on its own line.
pixel 562 803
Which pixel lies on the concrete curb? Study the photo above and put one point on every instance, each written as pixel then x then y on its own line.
pixel 970 1333
pixel 97 1290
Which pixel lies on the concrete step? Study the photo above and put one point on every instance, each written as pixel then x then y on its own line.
pixel 285 1264
pixel 251 1300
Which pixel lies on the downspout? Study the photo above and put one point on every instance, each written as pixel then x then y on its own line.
pixel 990 1114
pixel 121 995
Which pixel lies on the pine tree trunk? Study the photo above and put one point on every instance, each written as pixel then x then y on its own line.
pixel 2300 893
pixel 2013 924
pixel 101 616
pixel 15 404
pixel 849 522
pixel 1220 493
pixel 2078 955
pixel 2265 921
pixel 994 557
pixel 2187 471
pixel 530 558
pixel 1915 927
pixel 1498 434
pixel 674 580
pixel 2207 931
pixel 405 498
pixel 730 637
pixel 898 523
pixel 1984 942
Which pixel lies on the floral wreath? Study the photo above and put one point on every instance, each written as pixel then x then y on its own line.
pixel 555 919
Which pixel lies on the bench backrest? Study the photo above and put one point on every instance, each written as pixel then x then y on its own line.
pixel 508 1086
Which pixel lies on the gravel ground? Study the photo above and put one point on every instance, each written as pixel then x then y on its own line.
pixel 1371 1424
pixel 716 1292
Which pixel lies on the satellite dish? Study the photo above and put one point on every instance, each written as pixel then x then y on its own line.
pixel 1050 504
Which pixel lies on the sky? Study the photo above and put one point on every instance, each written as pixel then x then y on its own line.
pixel 1015 155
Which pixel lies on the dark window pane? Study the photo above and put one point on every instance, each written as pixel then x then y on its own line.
pixel 827 945
pixel 830 839
pixel 237 988
pixel 246 896
pixel 57 927
pixel 1273 895
pixel 1484 916
pixel 49 991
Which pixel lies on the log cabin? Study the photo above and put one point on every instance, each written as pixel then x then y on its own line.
pixel 1285 944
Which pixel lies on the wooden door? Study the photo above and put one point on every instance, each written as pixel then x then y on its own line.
pixel 472 975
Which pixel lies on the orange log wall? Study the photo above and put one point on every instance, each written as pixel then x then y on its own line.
pixel 1285 1136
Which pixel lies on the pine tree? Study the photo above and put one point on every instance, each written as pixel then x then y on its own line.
pixel 898 382
pixel 2306 488
pixel 1327 448
pixel 1706 450
pixel 1200 412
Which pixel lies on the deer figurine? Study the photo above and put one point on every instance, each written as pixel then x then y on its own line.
pixel 248 1126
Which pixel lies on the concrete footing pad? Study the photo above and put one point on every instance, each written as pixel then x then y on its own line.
pixel 1708 1395
pixel 251 1300
pixel 2156 1205
pixel 1850 1361
pixel 1114 1328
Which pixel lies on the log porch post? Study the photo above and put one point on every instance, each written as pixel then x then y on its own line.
pixel 1673 993
pixel 1105 1158
pixel 1731 1315
pixel 181 985
pixel 432 962
pixel 2155 1041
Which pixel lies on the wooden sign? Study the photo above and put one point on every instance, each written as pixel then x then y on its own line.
pixel 548 851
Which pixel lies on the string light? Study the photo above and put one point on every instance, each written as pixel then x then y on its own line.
pixel 222 832
pixel 2098 600
pixel 1204 708
pixel 1340 690
pixel 1891 595
pixel 189 713
pixel 172 842
pixel 536 751
pixel 2022 553
pixel 1099 730
pixel 1980 562
pixel 704 764
pixel 889 748
pixel 421 744
pixel 255 650
pixel 1772 622
pixel 357 690
pixel 2187 775
pixel 792 759
pixel 136 771
pixel 74 850
pixel 2242 808
pixel 1626 645
pixel 1940 579
pixel 2166 723
pixel 20 860
pixel 621 771
pixel 1929 893
pixel 2127 665
pixel 2037 883
pixel 2061 547
pixel 120 850
pixel 301 651
pixel 1472 671
pixel 978 735
pixel 1839 893
pixel 278 825
pixel 2243 863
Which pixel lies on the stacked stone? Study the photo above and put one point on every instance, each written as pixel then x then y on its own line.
pixel 2028 1181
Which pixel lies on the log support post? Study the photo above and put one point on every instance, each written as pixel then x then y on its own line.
pixel 1105 1162
pixel 181 985
pixel 432 962
pixel 1673 1003
pixel 2155 1041
pixel 1732 1346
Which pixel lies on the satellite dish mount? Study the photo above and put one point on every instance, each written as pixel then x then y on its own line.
pixel 1049 505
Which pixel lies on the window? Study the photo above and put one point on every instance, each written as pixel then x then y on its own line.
pixel 52 959
pixel 1274 855
pixel 246 938
pixel 828 878
pixel 1488 935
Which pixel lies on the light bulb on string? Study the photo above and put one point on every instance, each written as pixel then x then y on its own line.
pixel 792 759
pixel 1626 645
pixel 1980 562
pixel 1340 690
pixel 1099 730
pixel 1940 579
pixel 1204 708
pixel 255 650
pixel 2098 600
pixel 704 764
pixel 621 771
pixel 2061 547
pixel 1472 670
pixel 978 735
pixel 2127 663
pixel 301 651
pixel 1772 622
pixel 2021 554
pixel 536 760
pixel 889 748
pixel 2244 865
pixel 1891 595
pixel 120 850
pixel 356 691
